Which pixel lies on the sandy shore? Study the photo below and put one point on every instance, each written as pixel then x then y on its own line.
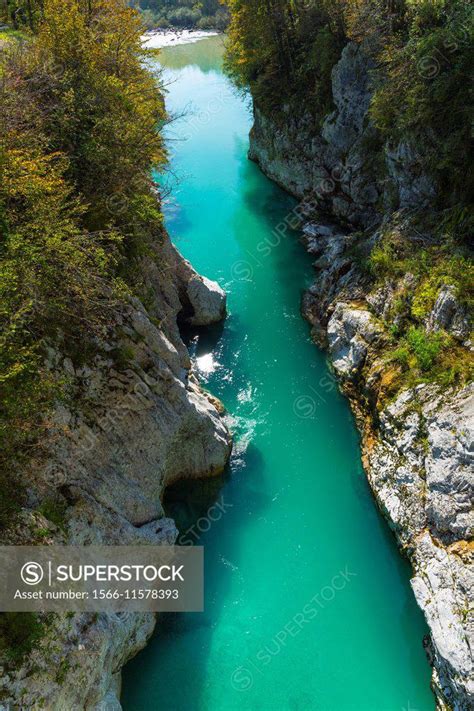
pixel 156 39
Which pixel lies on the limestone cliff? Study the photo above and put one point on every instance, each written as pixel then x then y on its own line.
pixel 134 421
pixel 416 439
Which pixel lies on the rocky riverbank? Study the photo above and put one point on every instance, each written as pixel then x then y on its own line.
pixel 135 421
pixel 358 196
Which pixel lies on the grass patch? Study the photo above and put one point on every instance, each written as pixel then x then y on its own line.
pixel 421 357
pixel 9 35
pixel 55 511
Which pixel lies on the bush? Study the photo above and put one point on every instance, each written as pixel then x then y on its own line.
pixel 387 258
pixel 221 19
pixel 207 22
pixel 425 347
pixel 55 511
pixel 20 632
pixel 184 17
pixel 148 19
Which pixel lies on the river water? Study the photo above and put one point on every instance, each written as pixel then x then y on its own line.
pixel 308 603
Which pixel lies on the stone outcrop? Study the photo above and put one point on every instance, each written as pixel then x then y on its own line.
pixel 350 332
pixel 449 315
pixel 134 422
pixel 418 446
pixel 204 301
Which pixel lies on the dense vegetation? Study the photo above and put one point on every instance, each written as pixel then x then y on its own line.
pixel 413 353
pixel 285 51
pixel 203 14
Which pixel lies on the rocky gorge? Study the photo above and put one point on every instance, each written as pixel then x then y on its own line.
pixel 135 421
pixel 417 438
pixel 131 419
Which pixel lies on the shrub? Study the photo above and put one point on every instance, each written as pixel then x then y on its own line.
pixel 206 22
pixel 162 22
pixel 54 510
pixel 401 356
pixel 20 632
pixel 387 258
pixel 424 299
pixel 184 17
pixel 222 19
pixel 418 350
pixel 425 346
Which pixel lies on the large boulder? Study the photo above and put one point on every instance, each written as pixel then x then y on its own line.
pixel 448 314
pixel 207 299
pixel 203 300
pixel 350 331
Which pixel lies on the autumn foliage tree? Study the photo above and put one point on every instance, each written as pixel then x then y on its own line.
pixel 78 138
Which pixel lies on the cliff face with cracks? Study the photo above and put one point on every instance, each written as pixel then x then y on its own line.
pixel 132 424
pixel 417 444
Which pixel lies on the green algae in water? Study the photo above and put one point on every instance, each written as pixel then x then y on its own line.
pixel 298 529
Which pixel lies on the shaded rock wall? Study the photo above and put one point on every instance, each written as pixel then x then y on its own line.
pixel 343 162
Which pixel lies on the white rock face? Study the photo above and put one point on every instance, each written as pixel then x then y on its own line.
pixel 208 301
pixel 449 466
pixel 136 428
pixel 204 300
pixel 425 487
pixel 349 333
pixel 351 92
pixel 443 585
pixel 448 314
pixel 404 166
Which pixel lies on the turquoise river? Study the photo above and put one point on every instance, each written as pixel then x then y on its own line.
pixel 308 604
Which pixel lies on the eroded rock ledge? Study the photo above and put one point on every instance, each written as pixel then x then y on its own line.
pixel 134 422
pixel 418 446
